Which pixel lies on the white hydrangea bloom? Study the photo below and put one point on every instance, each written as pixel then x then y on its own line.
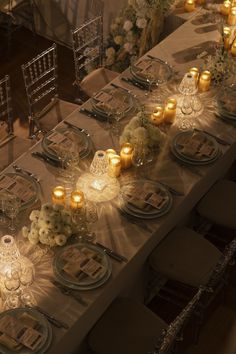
pixel 60 240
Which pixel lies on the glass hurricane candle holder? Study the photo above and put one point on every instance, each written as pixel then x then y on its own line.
pixel 188 85
pixel 225 7
pixel 59 195
pixel 170 110
pixel 77 199
pixel 189 5
pixel 126 155
pixel 99 165
pixel 204 81
pixel 232 16
pixel 157 117
pixel 114 166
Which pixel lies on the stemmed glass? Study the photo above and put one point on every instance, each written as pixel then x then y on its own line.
pixel 12 284
pixel 141 155
pixel 26 279
pixel 12 208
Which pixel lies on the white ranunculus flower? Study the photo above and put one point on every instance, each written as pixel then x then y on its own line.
pixel 34 215
pixel 60 239
pixel 141 22
pixel 127 25
pixel 128 47
pixel 118 40
pixel 25 231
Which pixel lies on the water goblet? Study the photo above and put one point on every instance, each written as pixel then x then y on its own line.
pixel 26 279
pixel 12 208
pixel 12 284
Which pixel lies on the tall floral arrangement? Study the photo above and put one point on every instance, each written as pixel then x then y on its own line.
pixel 134 31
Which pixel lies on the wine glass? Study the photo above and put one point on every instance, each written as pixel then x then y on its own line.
pixel 12 208
pixel 12 284
pixel 142 155
pixel 91 216
pixel 26 279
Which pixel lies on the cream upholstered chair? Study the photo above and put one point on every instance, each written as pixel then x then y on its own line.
pixel 90 75
pixel 129 327
pixel 219 204
pixel 40 78
pixel 185 256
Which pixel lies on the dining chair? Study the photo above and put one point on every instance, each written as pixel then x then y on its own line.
pixel 6 104
pixel 218 204
pixel 45 107
pixel 129 327
pixel 90 75
pixel 188 259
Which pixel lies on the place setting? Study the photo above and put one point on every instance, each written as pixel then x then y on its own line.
pixel 194 148
pixel 145 199
pixel 226 105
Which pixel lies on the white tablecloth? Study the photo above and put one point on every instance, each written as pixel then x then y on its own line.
pixel 112 229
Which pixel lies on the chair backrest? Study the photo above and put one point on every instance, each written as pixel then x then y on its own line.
pixel 5 103
pixel 88 47
pixel 222 265
pixel 40 78
pixel 167 339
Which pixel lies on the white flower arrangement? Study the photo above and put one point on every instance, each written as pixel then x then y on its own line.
pixel 134 31
pixel 141 129
pixel 51 226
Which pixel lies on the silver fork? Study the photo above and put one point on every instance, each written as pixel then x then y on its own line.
pixel 70 292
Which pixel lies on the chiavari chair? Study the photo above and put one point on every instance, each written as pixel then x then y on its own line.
pixel 6 104
pixel 45 107
pixel 129 327
pixel 90 75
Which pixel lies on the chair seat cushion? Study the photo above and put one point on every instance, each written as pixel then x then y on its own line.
pixel 56 114
pixel 96 80
pixel 218 205
pixel 127 327
pixel 185 256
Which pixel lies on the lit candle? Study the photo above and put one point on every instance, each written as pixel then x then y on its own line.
pixel 233 48
pixel 189 5
pixel 157 117
pixel 170 110
pixel 195 73
pixel 114 166
pixel 126 154
pixel 204 81
pixel 232 16
pixel 225 7
pixel 226 36
pixel 110 153
pixel 77 200
pixel 59 195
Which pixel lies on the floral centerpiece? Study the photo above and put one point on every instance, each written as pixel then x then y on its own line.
pixel 135 31
pixel 51 226
pixel 141 129
pixel 221 64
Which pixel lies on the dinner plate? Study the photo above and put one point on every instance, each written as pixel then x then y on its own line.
pixel 81 137
pixel 88 282
pixel 152 212
pixel 28 181
pixel 176 147
pixel 44 328
pixel 154 70
pixel 112 101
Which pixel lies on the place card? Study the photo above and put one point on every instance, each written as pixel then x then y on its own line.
pixel 21 187
pixel 157 201
pixel 92 268
pixel 59 139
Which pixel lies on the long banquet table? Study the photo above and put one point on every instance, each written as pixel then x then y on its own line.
pixel 112 229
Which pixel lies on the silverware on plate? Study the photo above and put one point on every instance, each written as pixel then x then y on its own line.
pixel 43 157
pixel 73 126
pixel 218 139
pixel 135 83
